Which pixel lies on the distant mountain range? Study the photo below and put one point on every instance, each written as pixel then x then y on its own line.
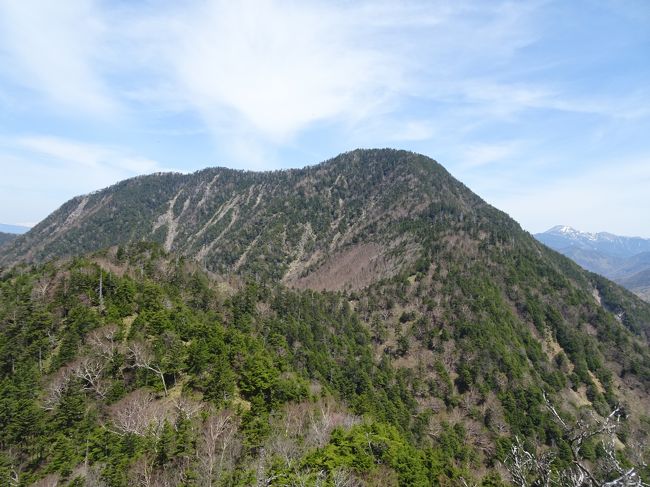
pixel 625 260
pixel 9 232
pixel 14 229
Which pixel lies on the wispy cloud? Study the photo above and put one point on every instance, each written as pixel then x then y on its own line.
pixel 269 69
pixel 40 173
pixel 484 154
pixel 88 156
pixel 273 69
pixel 55 49
pixel 495 90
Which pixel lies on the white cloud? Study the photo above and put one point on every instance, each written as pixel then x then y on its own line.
pixel 413 130
pixel 270 70
pixel 39 173
pixel 89 156
pixel 276 67
pixel 269 79
pixel 52 47
pixel 483 154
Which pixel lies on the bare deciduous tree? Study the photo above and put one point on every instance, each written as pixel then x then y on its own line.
pixel 528 469
pixel 103 341
pixel 143 358
pixel 138 414
pixel 217 446
pixel 41 287
pixel 145 474
pixel 324 419
pixel 342 477
pixel 90 370
pixel 186 407
pixel 287 432
pixel 56 387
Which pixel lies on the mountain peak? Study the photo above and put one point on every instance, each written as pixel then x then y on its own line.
pixel 445 308
pixel 563 229
pixel 289 224
pixel 613 256
pixel 561 236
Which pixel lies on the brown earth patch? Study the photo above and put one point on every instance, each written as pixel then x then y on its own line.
pixel 353 268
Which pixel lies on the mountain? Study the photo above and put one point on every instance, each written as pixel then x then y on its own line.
pixel 14 229
pixel 632 264
pixel 6 237
pixel 339 224
pixel 639 282
pixel 561 237
pixel 365 321
pixel 616 257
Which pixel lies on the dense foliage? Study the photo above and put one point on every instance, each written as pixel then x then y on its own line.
pixel 77 356
pixel 265 224
pixel 134 367
pixel 447 340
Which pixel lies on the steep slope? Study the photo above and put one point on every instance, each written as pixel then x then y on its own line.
pixel 132 367
pixel 161 376
pixel 359 219
pixel 450 323
pixel 283 224
pixel 6 237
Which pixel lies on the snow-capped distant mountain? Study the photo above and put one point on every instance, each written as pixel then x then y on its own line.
pixel 622 259
pixel 561 237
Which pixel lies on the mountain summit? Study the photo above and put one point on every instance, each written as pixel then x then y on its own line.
pixel 335 224
pixel 368 316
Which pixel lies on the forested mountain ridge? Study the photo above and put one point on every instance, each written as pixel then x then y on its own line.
pixel 451 336
pixel 282 224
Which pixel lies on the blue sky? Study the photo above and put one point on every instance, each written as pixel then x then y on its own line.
pixel 541 107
